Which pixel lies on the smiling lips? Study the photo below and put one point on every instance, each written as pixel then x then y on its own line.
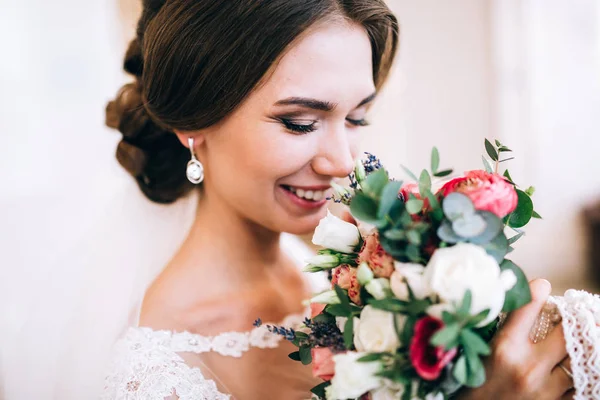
pixel 315 194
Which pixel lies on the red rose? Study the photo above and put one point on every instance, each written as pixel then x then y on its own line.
pixel 429 361
pixel 380 262
pixel 488 192
pixel 323 364
pixel 345 277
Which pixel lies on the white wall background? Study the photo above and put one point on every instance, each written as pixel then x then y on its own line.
pixel 524 71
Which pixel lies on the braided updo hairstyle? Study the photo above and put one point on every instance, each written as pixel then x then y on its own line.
pixel 196 61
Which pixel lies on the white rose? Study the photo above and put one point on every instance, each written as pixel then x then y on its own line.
pixel 335 234
pixel 375 331
pixel 388 393
pixel 352 379
pixel 408 274
pixel 454 270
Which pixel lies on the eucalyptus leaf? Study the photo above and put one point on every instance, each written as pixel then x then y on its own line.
pixel 520 294
pixel 413 237
pixel 457 205
pixel 474 342
pixel 514 239
pixel 424 183
pixel 486 165
pixel 364 208
pixel 469 226
pixel 498 144
pixel 410 173
pixel 536 215
pixel 493 226
pixel 414 206
pixel 446 233
pixel 498 247
pixel 395 234
pixel 523 213
pixel 389 196
pixel 435 160
pixel 375 182
pixel 413 253
pixel 491 150
pixel 475 370
pixel 459 371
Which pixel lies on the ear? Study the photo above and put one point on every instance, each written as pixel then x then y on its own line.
pixel 184 138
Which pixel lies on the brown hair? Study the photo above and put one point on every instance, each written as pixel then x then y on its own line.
pixel 195 61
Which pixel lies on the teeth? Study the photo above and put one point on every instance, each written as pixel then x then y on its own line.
pixel 314 195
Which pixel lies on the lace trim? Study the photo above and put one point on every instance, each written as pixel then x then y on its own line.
pixel 146 364
pixel 231 344
pixel 580 313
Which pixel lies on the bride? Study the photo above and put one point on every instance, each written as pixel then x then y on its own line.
pixel 249 109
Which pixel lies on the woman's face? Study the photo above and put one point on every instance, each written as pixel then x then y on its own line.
pixel 272 160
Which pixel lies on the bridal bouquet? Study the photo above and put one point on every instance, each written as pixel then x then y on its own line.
pixel 418 281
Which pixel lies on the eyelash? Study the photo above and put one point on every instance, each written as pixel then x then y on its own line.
pixel 304 129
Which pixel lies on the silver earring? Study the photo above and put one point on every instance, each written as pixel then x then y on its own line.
pixel 195 170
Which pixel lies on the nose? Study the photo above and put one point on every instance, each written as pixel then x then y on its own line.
pixel 336 154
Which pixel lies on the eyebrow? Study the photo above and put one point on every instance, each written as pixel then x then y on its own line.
pixel 319 105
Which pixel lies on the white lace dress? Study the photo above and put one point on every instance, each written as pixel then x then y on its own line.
pixel 147 364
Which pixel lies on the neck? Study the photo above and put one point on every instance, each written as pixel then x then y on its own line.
pixel 225 248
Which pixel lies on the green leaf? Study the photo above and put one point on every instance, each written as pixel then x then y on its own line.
pixel 506 159
pixel 497 248
pixel 389 196
pixel 413 237
pixel 408 330
pixel 446 233
pixel 319 390
pixel 536 215
pixel 395 234
pixel 491 150
pixel 295 356
pixel 435 160
pixel 475 369
pixel 487 165
pixel 459 371
pixel 520 294
pixel 530 191
pixel 480 316
pixel 349 333
pixel 305 356
pixel 413 253
pixel 514 239
pixel 343 296
pixel 474 342
pixel 374 357
pixel 498 144
pixel 391 305
pixel 457 205
pixel 337 310
pixel 465 307
pixel 414 206
pixel 441 174
pixel 523 213
pixel 503 149
pixel 493 226
pixel 364 208
pixel 424 183
pixel 410 173
pixel 447 336
pixel 470 226
pixel 375 182
pixel 507 176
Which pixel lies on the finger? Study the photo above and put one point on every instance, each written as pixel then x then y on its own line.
pixel 553 349
pixel 519 322
pixel 569 395
pixel 560 381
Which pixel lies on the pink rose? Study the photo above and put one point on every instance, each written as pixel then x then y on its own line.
pixel 345 277
pixel 380 262
pixel 322 362
pixel 316 309
pixel 413 188
pixel 488 192
pixel 429 361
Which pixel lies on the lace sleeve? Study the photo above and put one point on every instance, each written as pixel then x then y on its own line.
pixel 580 312
pixel 143 368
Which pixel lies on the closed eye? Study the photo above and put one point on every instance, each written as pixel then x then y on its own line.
pixel 298 128
pixel 358 122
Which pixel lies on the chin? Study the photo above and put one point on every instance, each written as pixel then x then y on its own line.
pixel 304 225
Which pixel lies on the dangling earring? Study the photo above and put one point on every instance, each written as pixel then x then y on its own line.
pixel 195 170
